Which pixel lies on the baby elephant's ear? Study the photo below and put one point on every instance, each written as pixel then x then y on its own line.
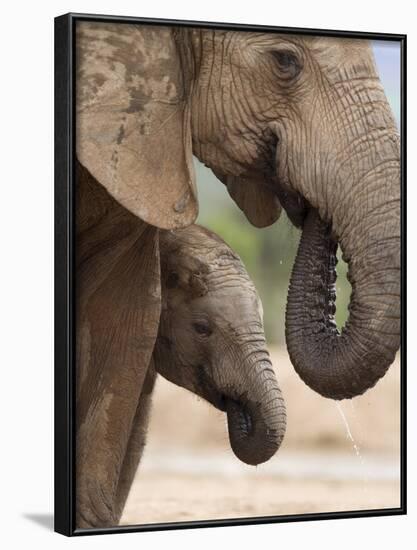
pixel 133 122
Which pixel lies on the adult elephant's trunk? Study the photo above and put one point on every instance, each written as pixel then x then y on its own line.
pixel 343 365
pixel 255 411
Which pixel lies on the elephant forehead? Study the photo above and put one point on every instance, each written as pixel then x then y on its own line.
pixel 242 314
pixel 234 299
pixel 342 56
pixel 337 46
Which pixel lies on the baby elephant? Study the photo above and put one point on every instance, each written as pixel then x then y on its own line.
pixel 211 339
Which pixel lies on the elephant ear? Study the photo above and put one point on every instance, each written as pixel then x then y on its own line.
pixel 259 203
pixel 133 121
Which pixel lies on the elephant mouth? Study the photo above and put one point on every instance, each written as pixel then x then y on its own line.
pixel 294 204
pixel 274 184
pixel 207 390
pixel 239 410
pixel 241 415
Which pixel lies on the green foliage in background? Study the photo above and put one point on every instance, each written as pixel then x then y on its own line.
pixel 268 253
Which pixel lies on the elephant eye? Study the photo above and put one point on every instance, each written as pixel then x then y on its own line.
pixel 288 63
pixel 202 328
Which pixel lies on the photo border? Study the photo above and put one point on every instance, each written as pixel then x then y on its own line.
pixel 64 385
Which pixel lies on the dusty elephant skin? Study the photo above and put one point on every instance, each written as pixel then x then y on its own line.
pixel 299 123
pixel 118 307
pixel 211 339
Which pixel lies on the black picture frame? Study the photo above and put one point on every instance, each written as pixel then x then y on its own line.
pixel 65 276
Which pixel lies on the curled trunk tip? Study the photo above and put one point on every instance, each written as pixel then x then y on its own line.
pixel 257 420
pixel 344 364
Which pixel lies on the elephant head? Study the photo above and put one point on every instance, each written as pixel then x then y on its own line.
pixel 305 119
pixel 211 339
pixel 284 121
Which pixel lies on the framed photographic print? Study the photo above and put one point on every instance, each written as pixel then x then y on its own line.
pixel 230 267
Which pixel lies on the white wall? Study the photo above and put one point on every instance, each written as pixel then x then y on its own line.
pixel 27 279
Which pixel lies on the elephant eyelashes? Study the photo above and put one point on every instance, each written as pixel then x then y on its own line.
pixel 288 63
pixel 202 328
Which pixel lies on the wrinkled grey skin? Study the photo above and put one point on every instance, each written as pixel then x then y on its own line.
pixel 307 119
pixel 293 122
pixel 211 339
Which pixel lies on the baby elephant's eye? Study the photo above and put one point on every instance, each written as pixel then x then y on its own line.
pixel 202 328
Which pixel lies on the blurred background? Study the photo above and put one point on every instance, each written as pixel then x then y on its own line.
pixel 335 456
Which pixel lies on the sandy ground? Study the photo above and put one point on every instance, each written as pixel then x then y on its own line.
pixel 168 498
pixel 334 457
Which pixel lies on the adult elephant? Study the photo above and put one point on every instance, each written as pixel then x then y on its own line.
pixel 294 121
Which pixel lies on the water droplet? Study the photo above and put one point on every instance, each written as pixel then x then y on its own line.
pixel 348 432
pixel 354 444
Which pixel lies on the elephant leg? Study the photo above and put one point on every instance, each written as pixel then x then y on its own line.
pixel 121 319
pixel 118 309
pixel 137 441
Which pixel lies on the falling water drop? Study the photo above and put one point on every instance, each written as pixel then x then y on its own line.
pixel 348 432
pixel 365 479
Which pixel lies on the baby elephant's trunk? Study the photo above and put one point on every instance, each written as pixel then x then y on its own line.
pixel 256 412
